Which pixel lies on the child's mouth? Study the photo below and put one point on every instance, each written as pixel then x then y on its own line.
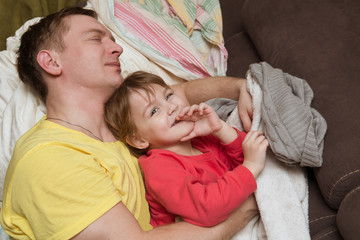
pixel 175 122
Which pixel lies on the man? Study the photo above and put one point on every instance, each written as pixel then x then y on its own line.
pixel 69 177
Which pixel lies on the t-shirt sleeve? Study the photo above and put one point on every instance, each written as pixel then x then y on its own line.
pixel 62 188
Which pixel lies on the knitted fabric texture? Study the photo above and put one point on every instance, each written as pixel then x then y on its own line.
pixel 295 130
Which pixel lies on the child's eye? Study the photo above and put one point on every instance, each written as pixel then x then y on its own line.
pixel 154 111
pixel 169 95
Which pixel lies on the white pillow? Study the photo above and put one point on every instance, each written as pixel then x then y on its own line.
pixel 19 108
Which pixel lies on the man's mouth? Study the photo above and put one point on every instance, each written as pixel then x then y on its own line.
pixel 114 64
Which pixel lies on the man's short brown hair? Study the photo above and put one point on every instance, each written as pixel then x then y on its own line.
pixel 46 34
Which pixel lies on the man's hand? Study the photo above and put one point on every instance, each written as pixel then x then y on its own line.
pixel 245 108
pixel 206 121
pixel 246 211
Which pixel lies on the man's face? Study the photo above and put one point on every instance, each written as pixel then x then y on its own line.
pixel 154 117
pixel 90 58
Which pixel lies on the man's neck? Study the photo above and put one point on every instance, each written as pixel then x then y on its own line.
pixel 89 115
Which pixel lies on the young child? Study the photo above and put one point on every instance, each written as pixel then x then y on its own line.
pixel 195 165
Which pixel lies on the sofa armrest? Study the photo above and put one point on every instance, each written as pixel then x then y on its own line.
pixel 348 215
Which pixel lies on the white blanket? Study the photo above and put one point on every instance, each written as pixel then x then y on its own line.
pixel 282 193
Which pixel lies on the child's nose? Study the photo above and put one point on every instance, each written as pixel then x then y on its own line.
pixel 172 108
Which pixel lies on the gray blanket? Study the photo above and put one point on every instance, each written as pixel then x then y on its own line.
pixel 294 129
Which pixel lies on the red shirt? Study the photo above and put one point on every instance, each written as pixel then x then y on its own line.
pixel 202 189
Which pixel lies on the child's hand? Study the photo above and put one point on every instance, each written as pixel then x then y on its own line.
pixel 205 119
pixel 254 147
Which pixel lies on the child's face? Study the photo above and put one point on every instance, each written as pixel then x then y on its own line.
pixel 155 117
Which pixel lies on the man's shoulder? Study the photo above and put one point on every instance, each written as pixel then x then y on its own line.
pixel 39 135
pixel 48 143
pixel 43 141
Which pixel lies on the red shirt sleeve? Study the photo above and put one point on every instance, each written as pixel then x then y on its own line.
pixel 231 154
pixel 202 194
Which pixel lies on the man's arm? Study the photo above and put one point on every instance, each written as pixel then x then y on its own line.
pixel 119 223
pixel 203 89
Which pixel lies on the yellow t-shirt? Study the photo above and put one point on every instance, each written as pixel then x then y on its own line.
pixel 59 181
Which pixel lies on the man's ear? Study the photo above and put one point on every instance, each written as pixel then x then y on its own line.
pixel 49 61
pixel 137 142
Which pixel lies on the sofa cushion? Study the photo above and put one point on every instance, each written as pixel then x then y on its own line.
pixel 231 20
pixel 348 215
pixel 319 42
pixel 241 54
pixel 322 219
pixel 241 51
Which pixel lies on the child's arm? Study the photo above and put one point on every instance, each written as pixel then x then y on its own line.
pixel 254 148
pixel 171 182
pixel 206 122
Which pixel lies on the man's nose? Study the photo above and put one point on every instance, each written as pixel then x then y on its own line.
pixel 116 49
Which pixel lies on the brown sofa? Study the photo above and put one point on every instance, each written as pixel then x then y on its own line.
pixel 318 41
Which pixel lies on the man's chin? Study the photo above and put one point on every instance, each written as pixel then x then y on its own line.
pixel 119 81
